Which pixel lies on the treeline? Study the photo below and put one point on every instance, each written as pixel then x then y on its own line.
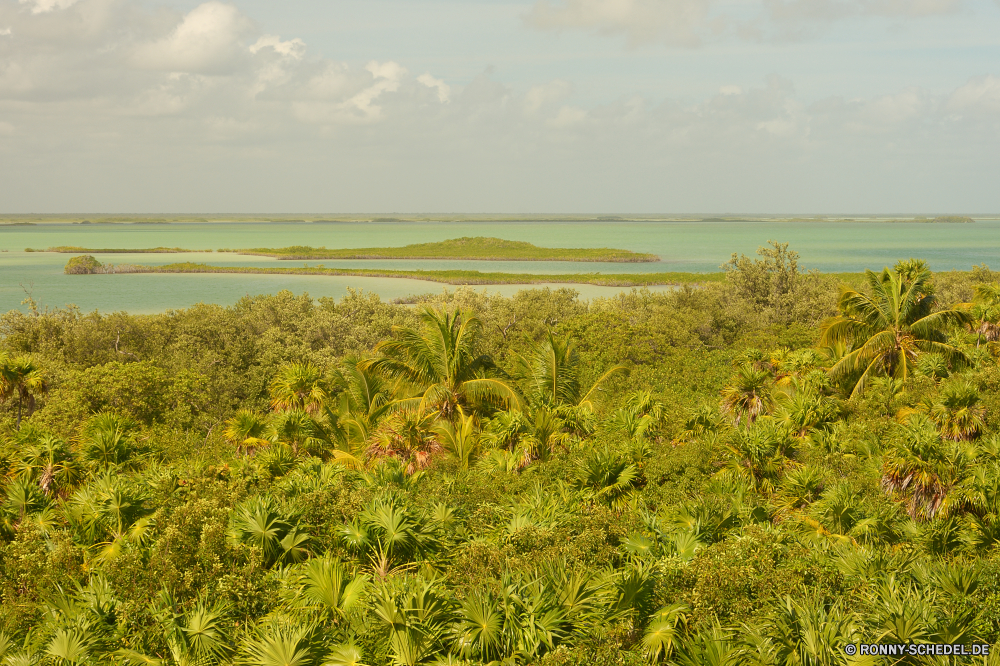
pixel 759 471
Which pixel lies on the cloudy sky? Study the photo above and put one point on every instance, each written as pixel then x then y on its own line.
pixel 517 106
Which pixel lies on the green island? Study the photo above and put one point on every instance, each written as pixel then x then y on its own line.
pixel 768 468
pixel 88 265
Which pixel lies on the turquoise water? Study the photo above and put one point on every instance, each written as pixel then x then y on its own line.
pixel 681 246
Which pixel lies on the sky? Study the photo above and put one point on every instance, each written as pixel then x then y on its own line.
pixel 500 106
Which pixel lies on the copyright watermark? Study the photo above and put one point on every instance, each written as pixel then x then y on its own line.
pixel 917 649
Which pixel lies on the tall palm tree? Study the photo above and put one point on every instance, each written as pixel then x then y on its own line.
pixel 298 386
pixel 889 328
pixel 441 362
pixel 21 378
pixel 365 398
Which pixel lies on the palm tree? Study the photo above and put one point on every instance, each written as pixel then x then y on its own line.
pixel 298 429
pixel 805 411
pixel 611 477
pixel 258 523
pixel 246 431
pixel 298 386
pixel 409 435
pixel 888 329
pixel 638 419
pixel 285 644
pixel 22 378
pixel 925 470
pixel 958 412
pixel 442 363
pixel 984 313
pixel 50 462
pixel 109 439
pixel 460 439
pixel 550 374
pixel 391 535
pixel 198 638
pixel 326 585
pixel 755 456
pixel 365 398
pixel 749 396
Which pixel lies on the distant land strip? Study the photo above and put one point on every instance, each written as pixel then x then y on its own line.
pixel 480 248
pixel 72 249
pixel 30 219
pixel 87 265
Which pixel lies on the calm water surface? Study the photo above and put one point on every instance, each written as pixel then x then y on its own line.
pixel 682 246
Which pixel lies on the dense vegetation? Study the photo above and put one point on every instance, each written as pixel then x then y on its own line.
pixel 478 248
pixel 755 471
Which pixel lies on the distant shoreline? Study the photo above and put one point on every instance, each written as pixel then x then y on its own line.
pixel 28 220
pixel 467 249
pixel 87 265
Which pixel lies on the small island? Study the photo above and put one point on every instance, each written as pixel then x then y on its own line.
pixel 953 219
pixel 479 248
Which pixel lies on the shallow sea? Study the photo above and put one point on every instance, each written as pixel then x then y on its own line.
pixel 681 246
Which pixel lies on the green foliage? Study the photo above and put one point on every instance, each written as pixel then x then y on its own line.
pixel 84 265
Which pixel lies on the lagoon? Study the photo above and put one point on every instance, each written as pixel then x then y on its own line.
pixel 682 246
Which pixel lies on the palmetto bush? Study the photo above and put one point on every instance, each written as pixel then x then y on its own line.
pixel 259 524
pixel 609 477
pixel 756 456
pixel 109 440
pixel 390 535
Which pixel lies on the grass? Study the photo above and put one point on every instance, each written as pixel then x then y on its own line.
pixel 478 248
pixel 455 277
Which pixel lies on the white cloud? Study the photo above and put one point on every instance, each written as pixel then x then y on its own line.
pixel 443 89
pixel 730 90
pixel 979 94
pixel 4 32
pixel 568 116
pixel 6 129
pixel 293 48
pixel 206 40
pixel 387 76
pixel 42 6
